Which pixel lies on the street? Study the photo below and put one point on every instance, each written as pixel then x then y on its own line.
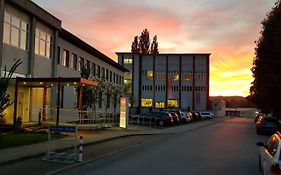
pixel 226 147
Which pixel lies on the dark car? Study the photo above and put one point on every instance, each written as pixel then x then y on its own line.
pixel 267 125
pixel 195 116
pixel 257 117
pixel 176 118
pixel 160 117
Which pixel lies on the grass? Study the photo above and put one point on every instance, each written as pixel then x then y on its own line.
pixel 20 139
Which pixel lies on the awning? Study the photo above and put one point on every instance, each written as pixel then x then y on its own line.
pixel 49 83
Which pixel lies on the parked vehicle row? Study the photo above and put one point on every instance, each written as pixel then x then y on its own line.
pixel 170 117
pixel 266 124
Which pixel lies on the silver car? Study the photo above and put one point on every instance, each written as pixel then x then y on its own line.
pixel 269 156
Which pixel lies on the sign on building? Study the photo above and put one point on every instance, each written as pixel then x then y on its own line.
pixel 123 112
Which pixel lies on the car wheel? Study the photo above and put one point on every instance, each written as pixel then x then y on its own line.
pixel 161 123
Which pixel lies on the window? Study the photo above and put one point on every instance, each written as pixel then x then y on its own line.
pixel 159 105
pixel 59 54
pixel 149 74
pixel 73 61
pixel 88 64
pixel 82 65
pixel 172 103
pixel 110 76
pixel 65 58
pixel 114 78
pixel 107 75
pixel 128 60
pixel 43 43
pixel 146 102
pixel 94 69
pixel 15 31
pixel 103 72
pixel 100 100
pixel 108 100
pixel 98 71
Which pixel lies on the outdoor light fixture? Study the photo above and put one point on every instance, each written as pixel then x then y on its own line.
pixel 67 84
pixel 41 82
pixel 24 82
pixel 52 85
pixel 74 83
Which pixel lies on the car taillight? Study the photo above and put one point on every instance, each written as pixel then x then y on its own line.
pixel 274 169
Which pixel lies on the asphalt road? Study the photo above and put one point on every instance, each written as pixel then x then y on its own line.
pixel 226 147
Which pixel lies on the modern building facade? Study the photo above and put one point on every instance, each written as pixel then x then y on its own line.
pixel 167 80
pixel 36 37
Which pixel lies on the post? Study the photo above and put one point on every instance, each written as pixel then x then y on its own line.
pixel 80 157
pixel 58 104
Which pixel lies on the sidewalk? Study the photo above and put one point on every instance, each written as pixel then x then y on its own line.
pixel 93 136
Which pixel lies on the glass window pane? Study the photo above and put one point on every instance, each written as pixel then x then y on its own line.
pixel 15 22
pixel 37 45
pixel 23 40
pixel 42 47
pixel 15 37
pixel 48 38
pixel 43 35
pixel 37 32
pixel 7 18
pixel 23 26
pixel 48 50
pixel 6 37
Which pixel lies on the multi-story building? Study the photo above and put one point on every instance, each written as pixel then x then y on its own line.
pixel 167 80
pixel 36 37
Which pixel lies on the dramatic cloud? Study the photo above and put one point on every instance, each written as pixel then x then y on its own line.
pixel 226 29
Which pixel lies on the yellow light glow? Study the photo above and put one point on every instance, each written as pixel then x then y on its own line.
pixel 74 83
pixel 159 105
pixel 24 82
pixel 146 102
pixel 67 84
pixel 41 82
pixel 173 103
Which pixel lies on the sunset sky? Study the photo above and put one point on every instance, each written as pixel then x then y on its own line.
pixel 227 29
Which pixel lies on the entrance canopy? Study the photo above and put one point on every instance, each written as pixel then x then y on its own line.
pixel 49 83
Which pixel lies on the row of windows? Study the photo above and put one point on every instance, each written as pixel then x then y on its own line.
pixel 76 63
pixel 16 31
pixel 147 102
pixel 174 88
pixel 173 75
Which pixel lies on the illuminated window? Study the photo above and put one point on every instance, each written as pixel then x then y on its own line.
pixel 128 60
pixel 173 103
pixel 149 74
pixel 65 58
pixel 159 105
pixel 15 31
pixel 73 62
pixel 43 43
pixel 146 102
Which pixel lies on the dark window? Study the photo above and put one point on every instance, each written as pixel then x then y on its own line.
pixel 88 65
pixel 58 56
pixel 114 78
pixel 107 75
pixel 82 65
pixel 94 69
pixel 110 76
pixel 102 72
pixel 98 71
pixel 100 100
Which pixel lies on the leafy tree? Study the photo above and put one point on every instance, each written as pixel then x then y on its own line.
pixel 87 90
pixel 265 90
pixel 5 98
pixel 141 44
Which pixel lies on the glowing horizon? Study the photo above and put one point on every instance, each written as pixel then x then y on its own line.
pixel 226 29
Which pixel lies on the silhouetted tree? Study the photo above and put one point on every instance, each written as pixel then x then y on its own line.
pixel 154 46
pixel 135 45
pixel 265 90
pixel 141 45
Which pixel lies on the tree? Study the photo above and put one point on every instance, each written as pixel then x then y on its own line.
pixel 265 90
pixel 141 44
pixel 154 46
pixel 5 98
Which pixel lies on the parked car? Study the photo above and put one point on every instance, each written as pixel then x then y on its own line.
pixel 269 155
pixel 186 118
pixel 176 118
pixel 161 118
pixel 207 115
pixel 258 116
pixel 267 125
pixel 178 114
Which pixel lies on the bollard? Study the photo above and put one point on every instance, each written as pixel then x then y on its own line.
pixel 80 158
